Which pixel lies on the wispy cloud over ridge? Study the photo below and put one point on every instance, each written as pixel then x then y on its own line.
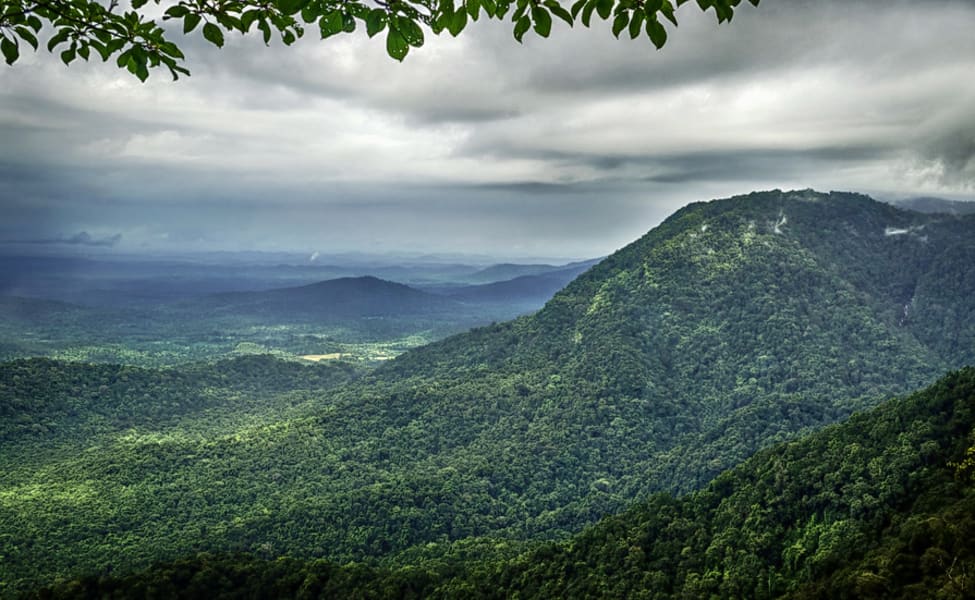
pixel 82 238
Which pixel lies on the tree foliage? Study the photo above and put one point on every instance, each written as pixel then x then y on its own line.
pixel 867 509
pixel 139 34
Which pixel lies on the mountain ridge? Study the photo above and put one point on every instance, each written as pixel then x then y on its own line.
pixel 364 296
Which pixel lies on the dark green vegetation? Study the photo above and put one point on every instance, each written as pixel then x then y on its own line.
pixel 882 506
pixel 733 325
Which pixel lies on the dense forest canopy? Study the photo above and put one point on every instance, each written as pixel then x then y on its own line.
pixel 878 507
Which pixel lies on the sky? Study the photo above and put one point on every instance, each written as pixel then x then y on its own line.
pixel 566 147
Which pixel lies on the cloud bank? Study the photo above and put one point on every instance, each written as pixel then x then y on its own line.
pixel 571 146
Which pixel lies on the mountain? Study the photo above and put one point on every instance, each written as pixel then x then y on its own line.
pixel 881 506
pixel 505 271
pixel 343 298
pixel 733 325
pixel 530 291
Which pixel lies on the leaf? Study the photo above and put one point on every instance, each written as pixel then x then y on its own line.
pixel 490 7
pixel 213 34
pixel 348 23
pixel 521 27
pixel 410 31
pixel 246 19
pixel 636 24
pixel 657 33
pixel 10 50
pixel 175 12
pixel 331 24
pixel 171 49
pixel 604 8
pixel 67 56
pixel 577 7
pixel 115 45
pixel 100 48
pixel 142 72
pixel 587 12
pixel 396 45
pixel 193 19
pixel 473 8
pixel 520 12
pixel 667 10
pixel 559 12
pixel 229 23
pixel 137 4
pixel 291 7
pixel 620 23
pixel 27 35
pixel 457 22
pixel 375 22
pixel 58 38
pixel 34 22
pixel 543 21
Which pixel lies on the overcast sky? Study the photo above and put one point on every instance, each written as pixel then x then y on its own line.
pixel 566 147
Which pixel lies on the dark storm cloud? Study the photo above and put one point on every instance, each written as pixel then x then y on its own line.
pixel 763 164
pixel 579 142
pixel 82 238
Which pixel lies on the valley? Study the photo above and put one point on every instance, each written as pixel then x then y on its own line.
pixel 143 312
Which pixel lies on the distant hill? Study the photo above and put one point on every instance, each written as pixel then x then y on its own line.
pixel 530 291
pixel 508 271
pixel 936 205
pixel 344 298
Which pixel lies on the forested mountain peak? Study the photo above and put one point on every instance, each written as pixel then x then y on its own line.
pixel 742 320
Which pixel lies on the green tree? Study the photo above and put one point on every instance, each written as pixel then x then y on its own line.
pixel 133 33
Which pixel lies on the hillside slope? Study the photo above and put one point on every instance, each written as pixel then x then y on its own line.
pixel 881 506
